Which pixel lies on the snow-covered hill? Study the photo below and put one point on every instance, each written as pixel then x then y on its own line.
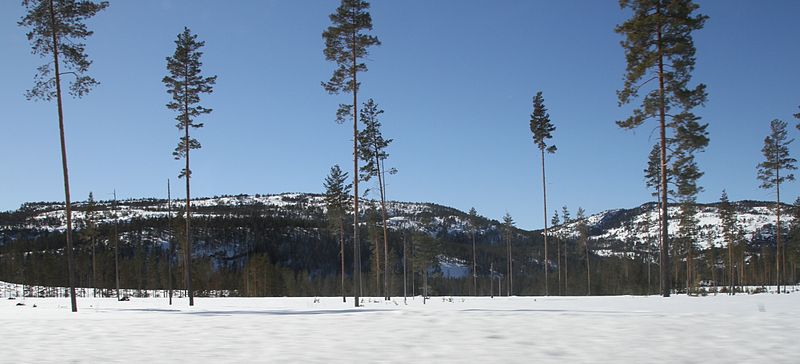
pixel 757 220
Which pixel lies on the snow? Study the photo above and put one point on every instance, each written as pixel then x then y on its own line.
pixel 713 329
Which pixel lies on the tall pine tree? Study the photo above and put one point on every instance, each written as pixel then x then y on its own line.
pixel 337 201
pixel 542 130
pixel 185 84
pixel 473 229
pixel 56 31
pixel 730 234
pixel 776 161
pixel 659 47
pixel 372 150
pixel 508 232
pixel 346 44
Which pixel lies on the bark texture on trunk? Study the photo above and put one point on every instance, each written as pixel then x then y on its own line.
pixel 65 170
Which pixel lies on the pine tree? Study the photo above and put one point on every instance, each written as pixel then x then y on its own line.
pixel 776 160
pixel 90 233
pixel 473 229
pixel 542 130
pixel 583 239
pixel 346 44
pixel 658 46
pixel 730 234
pixel 337 200
pixel 797 116
pixel 56 30
pixel 185 84
pixel 372 150
pixel 508 232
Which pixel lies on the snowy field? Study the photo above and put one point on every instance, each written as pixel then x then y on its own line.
pixel 720 329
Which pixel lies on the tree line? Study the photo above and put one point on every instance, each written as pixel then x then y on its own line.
pixel 660 57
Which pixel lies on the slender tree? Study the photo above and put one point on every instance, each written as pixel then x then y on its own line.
pixel 776 160
pixel 583 239
pixel 542 130
pixel 116 244
pixel 730 234
pixel 56 30
pixel 171 241
pixel 185 84
pixel 372 150
pixel 346 44
pixel 337 201
pixel 473 229
pixel 659 47
pixel 90 233
pixel 508 229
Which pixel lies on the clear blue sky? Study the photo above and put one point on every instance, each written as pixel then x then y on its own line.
pixel 456 79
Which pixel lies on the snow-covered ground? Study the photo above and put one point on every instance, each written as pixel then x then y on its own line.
pixel 720 329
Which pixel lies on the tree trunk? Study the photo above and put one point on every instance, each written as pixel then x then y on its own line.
pixel 341 255
pixel 544 192
pixel 116 246
pixel 356 243
pixel 171 244
pixel 558 259
pixel 588 271
pixel 665 273
pixel 382 185
pixel 405 262
pixel 778 229
pixel 188 250
pixel 474 272
pixel 67 202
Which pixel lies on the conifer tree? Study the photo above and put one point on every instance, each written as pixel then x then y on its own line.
pixel 730 234
pixel 776 161
pixel 797 116
pixel 473 229
pixel 90 232
pixel 372 150
pixel 337 201
pixel 508 229
pixel 583 239
pixel 56 30
pixel 185 84
pixel 542 130
pixel 346 44
pixel 659 47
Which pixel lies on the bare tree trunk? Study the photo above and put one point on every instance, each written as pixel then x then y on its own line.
pixel 341 255
pixel 588 270
pixel 67 202
pixel 778 231
pixel 171 244
pixel 558 259
pixel 382 185
pixel 356 243
pixel 116 245
pixel 544 192
pixel 566 270
pixel 665 273
pixel 474 271
pixel 405 261
pixel 188 250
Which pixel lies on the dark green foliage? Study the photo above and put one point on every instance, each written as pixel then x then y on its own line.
pixel 776 157
pixel 185 84
pixel 372 145
pixel 659 47
pixel 660 30
pixel 652 174
pixel 346 43
pixel 541 127
pixel 68 25
pixel 337 193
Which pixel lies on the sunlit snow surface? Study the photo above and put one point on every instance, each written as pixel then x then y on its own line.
pixel 719 329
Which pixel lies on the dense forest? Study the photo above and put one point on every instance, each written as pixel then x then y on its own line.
pixel 285 245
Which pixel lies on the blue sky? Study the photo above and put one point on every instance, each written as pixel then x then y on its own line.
pixel 456 79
